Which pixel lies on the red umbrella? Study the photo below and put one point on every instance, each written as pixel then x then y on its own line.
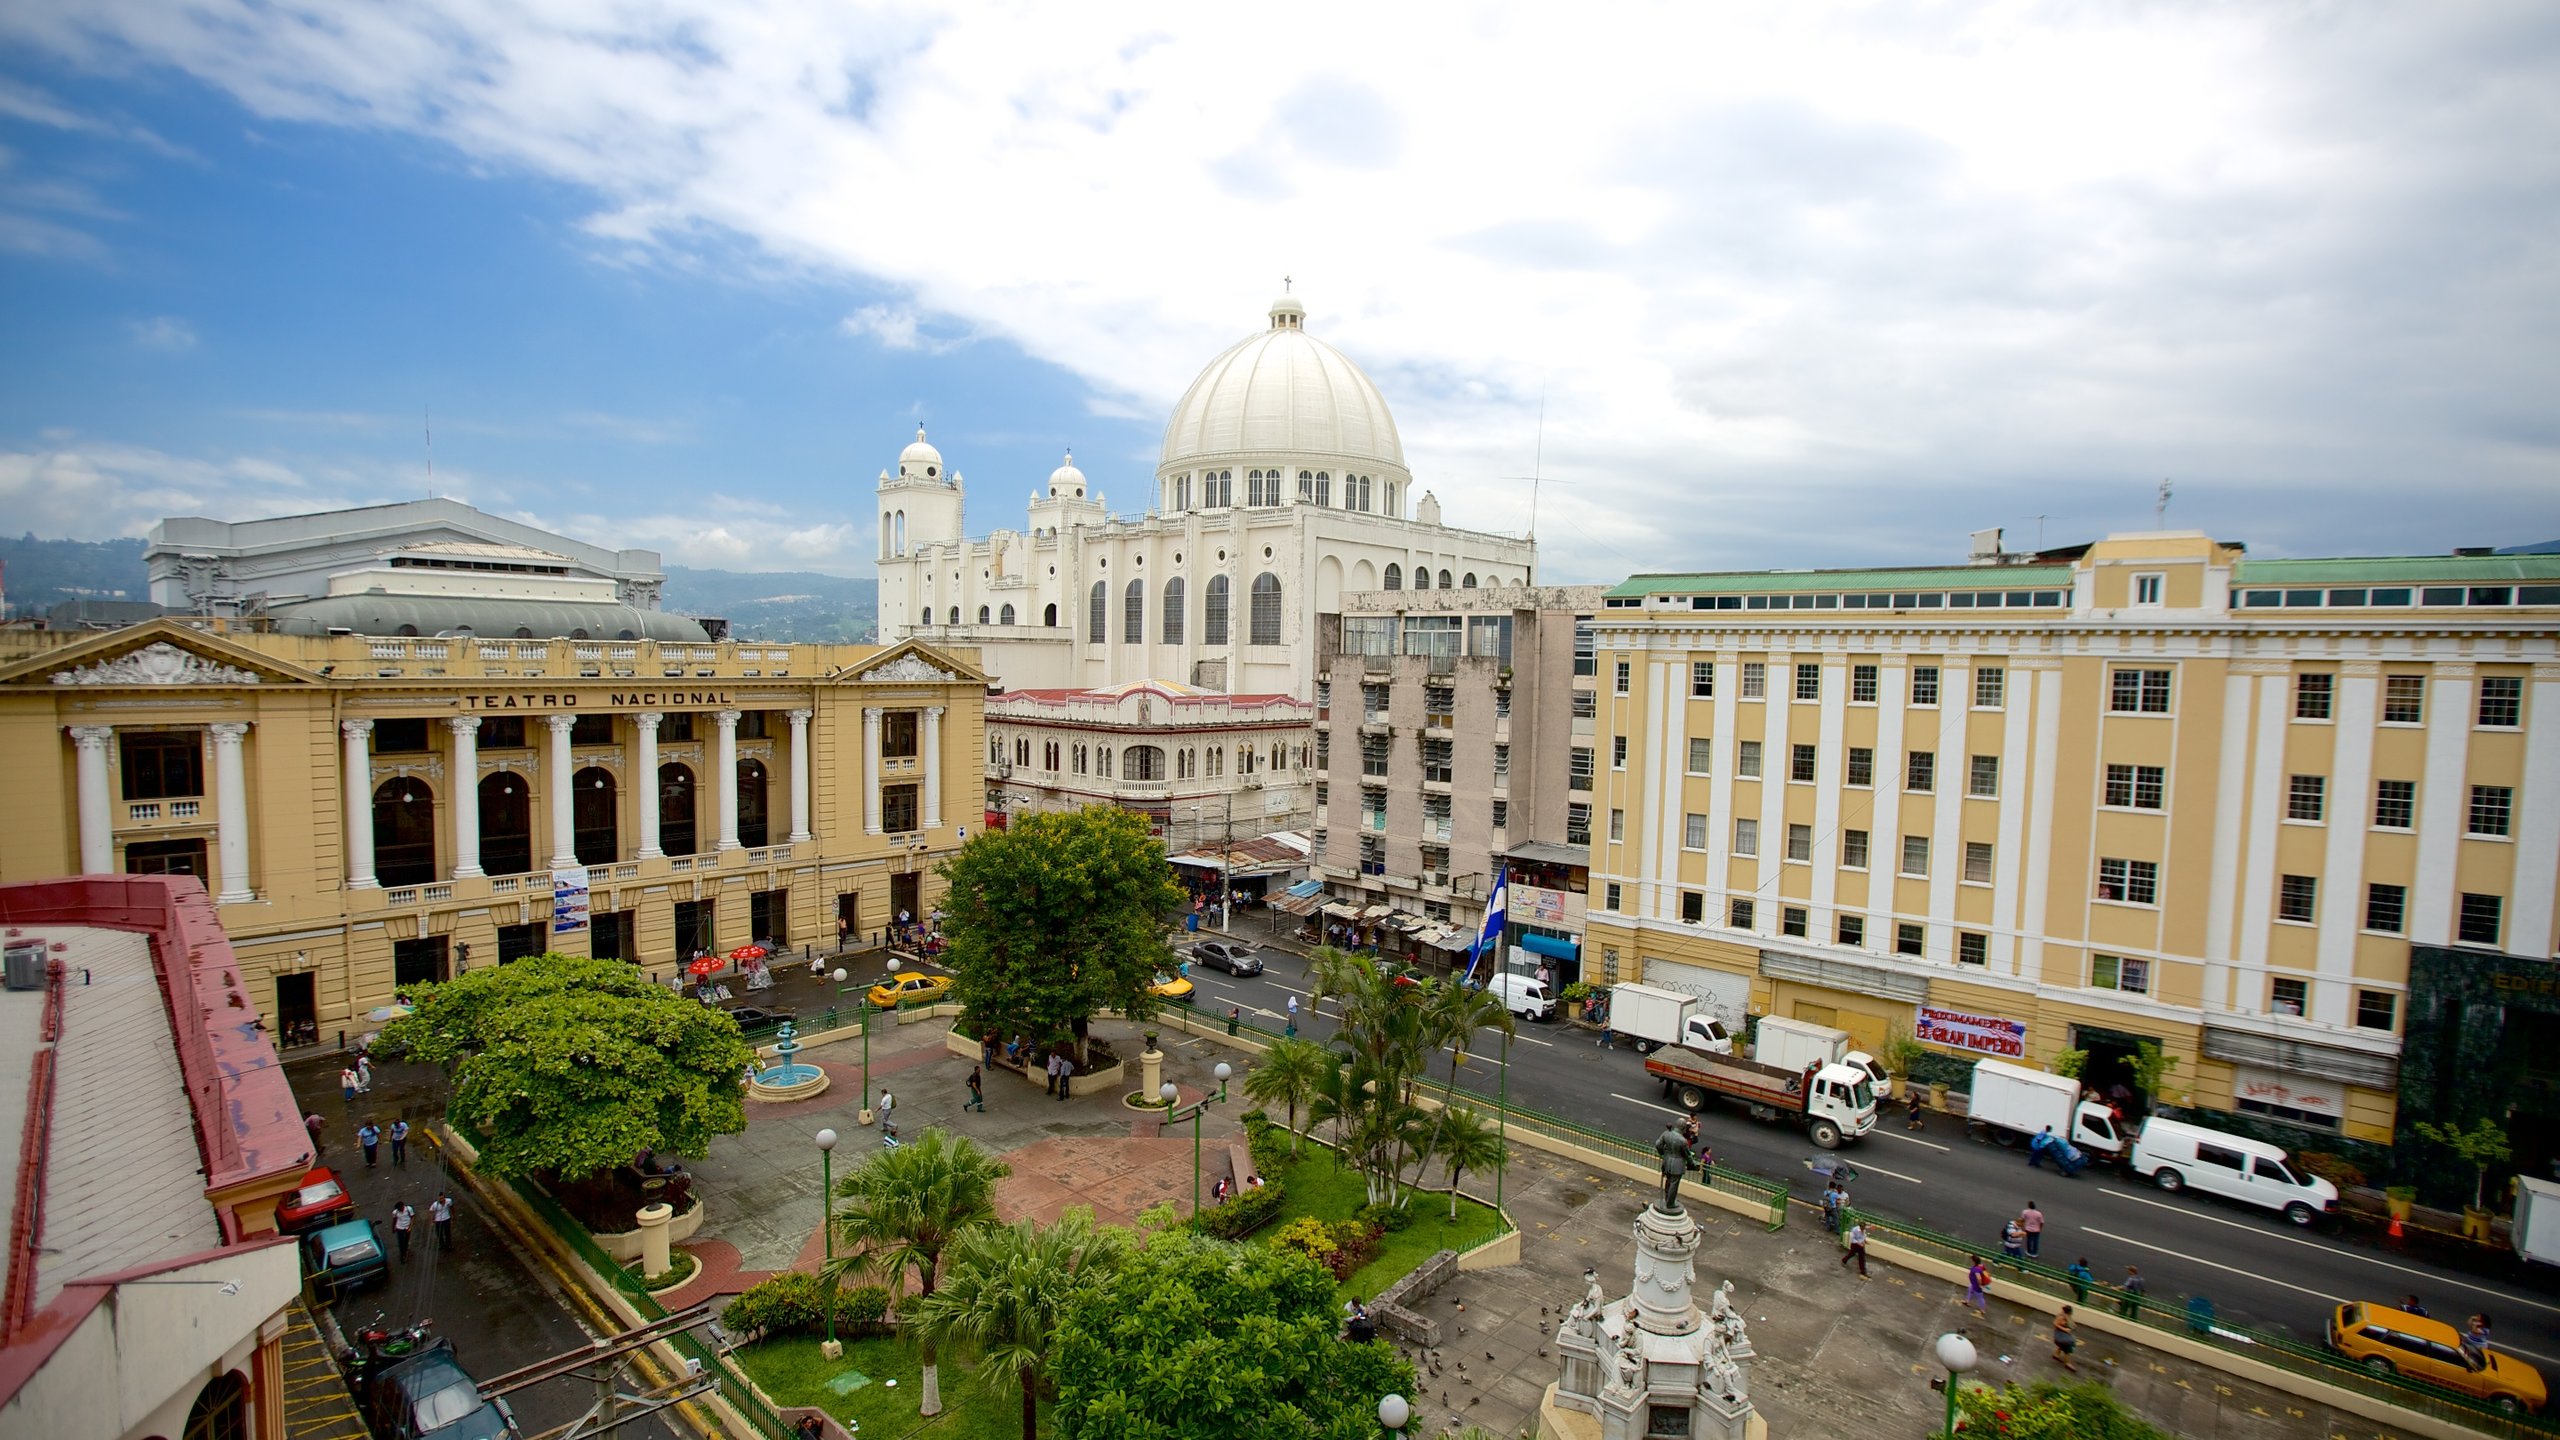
pixel 749 952
pixel 706 965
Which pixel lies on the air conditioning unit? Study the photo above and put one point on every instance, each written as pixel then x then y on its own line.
pixel 25 965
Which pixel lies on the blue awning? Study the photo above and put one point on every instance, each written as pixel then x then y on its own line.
pixel 1305 888
pixel 1550 946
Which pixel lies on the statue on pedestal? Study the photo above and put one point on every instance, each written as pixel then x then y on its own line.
pixel 1673 1147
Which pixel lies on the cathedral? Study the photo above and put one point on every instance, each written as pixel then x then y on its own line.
pixel 1281 487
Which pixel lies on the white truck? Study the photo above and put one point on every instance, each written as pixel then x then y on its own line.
pixel 1797 1044
pixel 1653 1018
pixel 2018 1103
pixel 2537 1229
pixel 1832 1104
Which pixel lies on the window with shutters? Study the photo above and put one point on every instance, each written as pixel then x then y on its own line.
pixel 1977 862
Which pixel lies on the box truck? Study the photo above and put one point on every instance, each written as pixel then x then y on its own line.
pixel 2017 1103
pixel 1834 1103
pixel 1798 1043
pixel 1653 1018
pixel 2537 1229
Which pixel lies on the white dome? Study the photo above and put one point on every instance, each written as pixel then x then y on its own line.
pixel 1283 392
pixel 920 458
pixel 1067 480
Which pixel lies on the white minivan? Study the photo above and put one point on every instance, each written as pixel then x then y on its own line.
pixel 2176 1156
pixel 1523 996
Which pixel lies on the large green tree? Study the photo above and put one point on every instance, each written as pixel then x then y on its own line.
pixel 1192 1337
pixel 1058 917
pixel 903 1208
pixel 1005 1291
pixel 565 1066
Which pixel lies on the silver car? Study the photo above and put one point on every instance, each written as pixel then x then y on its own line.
pixel 1234 957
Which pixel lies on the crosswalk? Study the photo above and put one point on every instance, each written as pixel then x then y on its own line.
pixel 316 1403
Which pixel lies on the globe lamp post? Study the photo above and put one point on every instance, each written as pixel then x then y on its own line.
pixel 1956 1354
pixel 1393 1412
pixel 1169 1094
pixel 826 1222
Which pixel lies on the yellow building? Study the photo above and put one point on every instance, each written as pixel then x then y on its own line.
pixel 2262 812
pixel 374 812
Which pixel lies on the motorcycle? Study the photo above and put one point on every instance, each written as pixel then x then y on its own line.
pixel 376 1343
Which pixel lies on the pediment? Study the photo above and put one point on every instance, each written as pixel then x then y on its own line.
pixel 912 663
pixel 155 655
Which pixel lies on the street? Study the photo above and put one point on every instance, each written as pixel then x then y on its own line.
pixel 2256 1269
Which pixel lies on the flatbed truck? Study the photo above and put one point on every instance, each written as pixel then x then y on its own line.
pixel 1834 1103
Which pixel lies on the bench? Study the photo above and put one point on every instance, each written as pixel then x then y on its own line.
pixel 1391 1307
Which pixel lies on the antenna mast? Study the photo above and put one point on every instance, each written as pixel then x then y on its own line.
pixel 2160 507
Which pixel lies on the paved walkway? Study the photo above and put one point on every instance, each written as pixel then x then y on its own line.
pixel 316 1403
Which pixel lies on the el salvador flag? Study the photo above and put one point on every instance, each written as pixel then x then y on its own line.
pixel 1496 915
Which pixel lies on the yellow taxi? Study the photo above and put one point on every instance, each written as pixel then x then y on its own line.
pixel 909 987
pixel 2392 1341
pixel 1171 987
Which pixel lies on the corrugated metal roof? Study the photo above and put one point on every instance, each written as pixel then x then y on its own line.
pixel 2398 569
pixel 489 619
pixel 1787 582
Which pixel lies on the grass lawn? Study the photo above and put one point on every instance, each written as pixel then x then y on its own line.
pixel 1319 1184
pixel 793 1372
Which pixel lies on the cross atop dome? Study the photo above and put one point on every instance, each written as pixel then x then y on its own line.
pixel 1287 313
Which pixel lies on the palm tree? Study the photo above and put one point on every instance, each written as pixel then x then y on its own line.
pixel 1332 971
pixel 903 1208
pixel 1451 1018
pixel 1008 1288
pixel 1465 1142
pixel 1288 1075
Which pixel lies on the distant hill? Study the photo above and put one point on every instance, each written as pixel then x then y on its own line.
pixel 2547 547
pixel 787 606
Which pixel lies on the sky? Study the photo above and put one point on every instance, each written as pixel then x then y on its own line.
pixel 1745 285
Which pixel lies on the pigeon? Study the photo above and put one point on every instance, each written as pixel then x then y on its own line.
pixel 1488 1354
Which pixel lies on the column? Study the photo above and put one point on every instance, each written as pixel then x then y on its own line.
pixel 358 765
pixel 800 776
pixel 932 767
pixel 645 784
pixel 465 799
pixel 724 758
pixel 97 810
pixel 231 814
pixel 870 770
pixel 558 775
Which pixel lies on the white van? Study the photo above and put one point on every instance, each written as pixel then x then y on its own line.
pixel 1523 996
pixel 2177 1156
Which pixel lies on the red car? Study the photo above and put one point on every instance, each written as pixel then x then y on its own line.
pixel 320 1200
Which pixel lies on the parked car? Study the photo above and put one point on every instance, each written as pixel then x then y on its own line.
pixel 429 1396
pixel 909 987
pixel 2389 1341
pixel 1231 956
pixel 750 1017
pixel 1171 987
pixel 341 1258
pixel 320 1201
pixel 2177 1156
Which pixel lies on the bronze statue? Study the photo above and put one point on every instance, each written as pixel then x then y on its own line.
pixel 1673 1147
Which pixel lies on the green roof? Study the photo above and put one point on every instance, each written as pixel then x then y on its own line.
pixel 1789 582
pixel 2398 570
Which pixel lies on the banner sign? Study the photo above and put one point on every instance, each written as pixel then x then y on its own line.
pixel 1536 906
pixel 1981 1034
pixel 568 900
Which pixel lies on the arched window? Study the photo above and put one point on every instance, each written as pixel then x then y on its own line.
pixel 1469 582
pixel 902 532
pixel 1005 616
pixel 1133 613
pixel 404 832
pixel 221 1411
pixel 1421 577
pixel 1097 614
pixel 1306 487
pixel 754 829
pixel 888 534
pixel 676 794
pixel 1390 507
pixel 984 614
pixel 1395 576
pixel 1213 613
pixel 1266 610
pixel 1142 762
pixel 955 614
pixel 596 811
pixel 1444 581
pixel 1324 488
pixel 1173 611
pixel 506 824
pixel 1222 489
pixel 1049 615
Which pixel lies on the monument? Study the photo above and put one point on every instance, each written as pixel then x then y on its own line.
pixel 1651 1363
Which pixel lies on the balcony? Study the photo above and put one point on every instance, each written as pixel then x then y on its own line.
pixel 163 812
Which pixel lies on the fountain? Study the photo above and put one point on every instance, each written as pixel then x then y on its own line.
pixel 788 1077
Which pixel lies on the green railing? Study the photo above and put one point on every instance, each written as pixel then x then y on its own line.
pixel 741 1395
pixel 2193 1318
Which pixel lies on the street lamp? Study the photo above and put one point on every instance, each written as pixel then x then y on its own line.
pixel 826 1220
pixel 1393 1412
pixel 863 1009
pixel 1956 1353
pixel 1169 1093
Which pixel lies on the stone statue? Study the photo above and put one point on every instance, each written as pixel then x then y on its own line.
pixel 1584 1318
pixel 1629 1364
pixel 1673 1147
pixel 1722 1317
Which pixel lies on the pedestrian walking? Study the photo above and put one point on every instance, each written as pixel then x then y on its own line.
pixel 399 1144
pixel 440 1210
pixel 2129 1305
pixel 1977 1287
pixel 2082 1277
pixel 1857 1249
pixel 347 1084
pixel 2031 1220
pixel 1833 1197
pixel 1293 1017
pixel 2036 1148
pixel 1911 1118
pixel 369 1135
pixel 987 1049
pixel 403 1215
pixel 313 1123
pixel 2065 1340
pixel 1066 1075
pixel 2013 1244
pixel 977 1090
pixel 1235 1017
pixel 1050 1066
pixel 888 1102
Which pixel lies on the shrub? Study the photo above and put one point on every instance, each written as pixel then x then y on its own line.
pixel 1389 1218
pixel 864 1307
pixel 2087 1410
pixel 1241 1215
pixel 1355 1243
pixel 1268 1144
pixel 1308 1236
pixel 787 1304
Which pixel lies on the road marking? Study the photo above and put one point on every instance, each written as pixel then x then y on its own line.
pixel 1881 1133
pixel 2432 1277
pixel 1534 1040
pixel 1865 1169
pixel 1648 1104
pixel 2213 1264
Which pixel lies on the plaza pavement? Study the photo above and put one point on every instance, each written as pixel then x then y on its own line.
pixel 1838 1356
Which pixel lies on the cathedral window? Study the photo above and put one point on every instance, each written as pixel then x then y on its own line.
pixel 955 614
pixel 1222 490
pixel 1005 617
pixel 1469 582
pixel 1444 581
pixel 984 614
pixel 1324 488
pixel 1049 615
pixel 1181 492
pixel 1390 507
pixel 1421 577
pixel 1395 576
pixel 1097 614
pixel 1213 614
pixel 1306 487
pixel 1266 610
pixel 1173 611
pixel 1133 613
pixel 1355 492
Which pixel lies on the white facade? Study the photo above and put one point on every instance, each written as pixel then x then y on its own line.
pixel 1281 486
pixel 1200 765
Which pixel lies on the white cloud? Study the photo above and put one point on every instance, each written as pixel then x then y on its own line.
pixel 165 333
pixel 1768 264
